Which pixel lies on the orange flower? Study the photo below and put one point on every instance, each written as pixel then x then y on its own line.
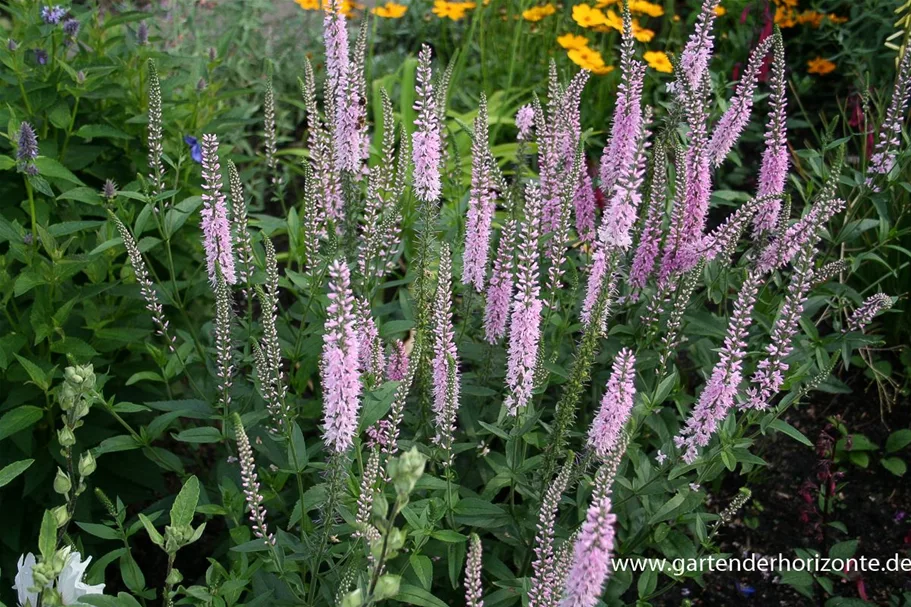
pixel 390 10
pixel 820 66
pixel 642 34
pixel 658 61
pixel 587 16
pixel 720 11
pixel 571 41
pixel 308 5
pixel 536 13
pixel 810 17
pixel 785 17
pixel 605 3
pixel 838 20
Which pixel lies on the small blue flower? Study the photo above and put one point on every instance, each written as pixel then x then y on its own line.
pixel 195 148
pixel 52 15
pixel 745 589
pixel 41 56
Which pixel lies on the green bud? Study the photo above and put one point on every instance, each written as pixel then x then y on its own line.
pixel 62 483
pixel 405 471
pixel 396 539
pixel 387 587
pixel 61 515
pixel 380 510
pixel 87 464
pixel 67 397
pixel 72 375
pixel 174 577
pixel 355 598
pixel 65 437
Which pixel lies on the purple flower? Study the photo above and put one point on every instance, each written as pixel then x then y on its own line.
pixel 525 321
pixel 142 33
pixel 773 172
pixel 769 375
pixel 216 226
pixel 480 206
pixel 584 202
pixel 370 348
pixel 12 45
pixel 195 148
pixel 250 479
pixel 445 362
pixel 544 588
pixel 41 56
pixel 28 144
pixel 71 27
pixel 883 159
pixel 397 363
pixel 499 291
pixel 735 119
pixel 426 141
pixel 872 306
pixel 339 363
pixel 717 397
pixel 591 556
pixel 52 15
pixel 338 89
pixel 616 405
pixel 650 238
pixel 525 122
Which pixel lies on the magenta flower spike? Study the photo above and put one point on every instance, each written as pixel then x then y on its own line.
pixel 216 227
pixel 616 405
pixel 584 202
pixel 445 355
pixel 339 364
pixel 773 172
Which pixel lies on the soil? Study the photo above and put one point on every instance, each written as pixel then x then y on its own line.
pixel 872 503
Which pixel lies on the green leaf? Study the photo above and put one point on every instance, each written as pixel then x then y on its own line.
pixel 449 536
pixel 9 473
pixel 47 536
pixel 185 503
pixel 417 596
pixel 6 163
pixel 423 569
pixel 647 583
pixel 19 419
pixel 893 464
pixel 102 531
pixel 843 550
pixel 206 434
pixel 151 530
pixel 90 131
pixel 39 377
pixel 898 440
pixel 48 167
pixel 476 512
pixel 299 450
pixel 786 428
pixel 666 511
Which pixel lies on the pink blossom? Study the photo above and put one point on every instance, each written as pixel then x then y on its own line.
pixel 397 364
pixel 499 291
pixel 525 121
pixel 426 141
pixel 616 405
pixel 445 355
pixel 216 226
pixel 340 362
pixel 480 206
pixel 773 172
pixel 591 556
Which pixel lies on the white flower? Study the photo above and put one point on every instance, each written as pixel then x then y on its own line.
pixel 25 581
pixel 70 584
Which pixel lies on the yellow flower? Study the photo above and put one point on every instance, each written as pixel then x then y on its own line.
pixel 536 13
pixel 720 11
pixel 589 59
pixel 838 20
pixel 820 66
pixel 586 16
pixel 658 61
pixel 646 8
pixel 309 5
pixel 571 41
pixel 605 3
pixel 390 10
pixel 642 34
pixel 451 10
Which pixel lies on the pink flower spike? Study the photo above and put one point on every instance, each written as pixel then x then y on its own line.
pixel 616 405
pixel 499 291
pixel 480 206
pixel 591 556
pixel 525 321
pixel 426 141
pixel 216 227
pixel 339 364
